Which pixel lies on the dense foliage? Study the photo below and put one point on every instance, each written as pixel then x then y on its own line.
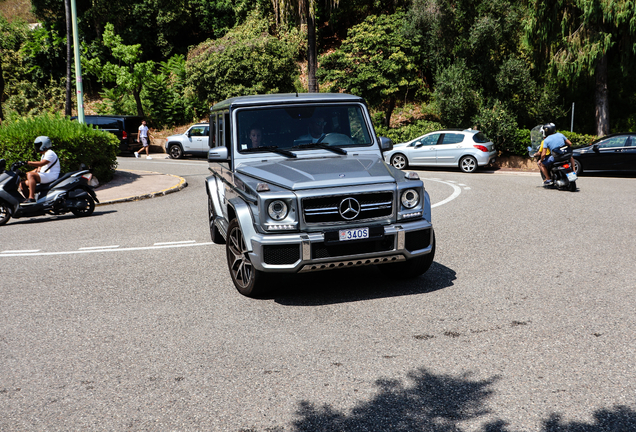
pixel 74 143
pixel 247 60
pixel 502 66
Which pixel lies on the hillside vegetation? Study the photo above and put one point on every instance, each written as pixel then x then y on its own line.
pixel 499 66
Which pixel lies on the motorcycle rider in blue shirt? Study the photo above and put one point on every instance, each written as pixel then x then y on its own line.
pixel 552 140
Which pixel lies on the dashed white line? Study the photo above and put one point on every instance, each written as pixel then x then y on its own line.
pixel 175 243
pixel 101 250
pixel 99 247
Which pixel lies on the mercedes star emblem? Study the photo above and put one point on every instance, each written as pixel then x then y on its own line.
pixel 349 208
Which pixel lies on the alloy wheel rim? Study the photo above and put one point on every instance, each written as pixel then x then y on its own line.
pixel 468 165
pixel 240 265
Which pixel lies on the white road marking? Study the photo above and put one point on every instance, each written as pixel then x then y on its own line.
pixel 456 192
pixel 99 247
pixel 175 243
pixel 27 253
pixel 20 251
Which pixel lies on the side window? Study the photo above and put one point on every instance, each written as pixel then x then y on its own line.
pixel 228 129
pixel 197 131
pixel 451 138
pixel 430 139
pixel 213 130
pixel 618 141
pixel 220 136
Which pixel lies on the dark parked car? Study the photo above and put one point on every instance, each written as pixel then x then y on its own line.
pixel 124 126
pixel 616 152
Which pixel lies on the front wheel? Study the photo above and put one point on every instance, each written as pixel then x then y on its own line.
pixel 468 164
pixel 410 268
pixel 5 213
pixel 87 210
pixel 399 161
pixel 175 151
pixel 247 280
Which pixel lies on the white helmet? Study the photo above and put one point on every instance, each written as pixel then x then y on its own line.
pixel 42 143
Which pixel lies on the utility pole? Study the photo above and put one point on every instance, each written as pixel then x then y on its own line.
pixel 78 66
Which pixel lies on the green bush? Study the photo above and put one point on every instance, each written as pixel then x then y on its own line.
pixel 407 132
pixel 498 124
pixel 579 140
pixel 74 143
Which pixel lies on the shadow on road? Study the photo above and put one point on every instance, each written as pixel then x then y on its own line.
pixel 438 403
pixel 52 218
pixel 354 284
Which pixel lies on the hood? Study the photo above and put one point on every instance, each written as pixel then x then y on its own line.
pixel 314 173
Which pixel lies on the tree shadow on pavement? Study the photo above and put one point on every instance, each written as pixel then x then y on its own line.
pixel 353 284
pixel 438 403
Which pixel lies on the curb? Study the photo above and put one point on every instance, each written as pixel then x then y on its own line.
pixel 182 184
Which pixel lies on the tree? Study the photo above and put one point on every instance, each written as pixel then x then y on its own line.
pixel 575 38
pixel 305 10
pixel 247 60
pixel 377 61
pixel 129 74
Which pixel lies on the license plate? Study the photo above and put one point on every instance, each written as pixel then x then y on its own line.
pixel 354 234
pixel 571 176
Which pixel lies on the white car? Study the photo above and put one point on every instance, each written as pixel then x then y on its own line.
pixel 194 141
pixel 466 149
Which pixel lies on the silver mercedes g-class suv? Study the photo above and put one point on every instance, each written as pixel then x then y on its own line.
pixel 298 184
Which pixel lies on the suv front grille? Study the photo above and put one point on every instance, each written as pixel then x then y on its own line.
pixel 344 208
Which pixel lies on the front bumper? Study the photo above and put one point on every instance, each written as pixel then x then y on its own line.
pixel 315 251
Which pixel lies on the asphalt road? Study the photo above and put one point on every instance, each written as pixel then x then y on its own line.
pixel 128 320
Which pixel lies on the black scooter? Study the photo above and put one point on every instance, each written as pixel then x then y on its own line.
pixel 71 192
pixel 562 172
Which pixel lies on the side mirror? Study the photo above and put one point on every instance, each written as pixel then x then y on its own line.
pixel 218 154
pixel 595 148
pixel 418 144
pixel 386 144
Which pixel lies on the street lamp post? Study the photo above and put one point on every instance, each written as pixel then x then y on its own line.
pixel 78 66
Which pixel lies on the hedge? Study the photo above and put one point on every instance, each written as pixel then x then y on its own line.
pixel 74 144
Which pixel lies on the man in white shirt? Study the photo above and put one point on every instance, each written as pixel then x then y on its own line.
pixel 143 138
pixel 48 168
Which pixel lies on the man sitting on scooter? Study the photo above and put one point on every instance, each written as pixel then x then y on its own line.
pixel 552 140
pixel 48 168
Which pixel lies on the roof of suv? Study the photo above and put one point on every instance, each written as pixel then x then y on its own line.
pixel 285 98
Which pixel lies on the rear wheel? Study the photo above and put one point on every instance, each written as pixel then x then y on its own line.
pixel 175 151
pixel 399 161
pixel 247 280
pixel 468 164
pixel 572 186
pixel 87 210
pixel 214 231
pixel 5 213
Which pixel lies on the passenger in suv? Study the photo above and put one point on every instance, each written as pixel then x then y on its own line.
pixel 302 204
pixel 194 141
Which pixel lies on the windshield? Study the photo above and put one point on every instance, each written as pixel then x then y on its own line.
pixel 302 127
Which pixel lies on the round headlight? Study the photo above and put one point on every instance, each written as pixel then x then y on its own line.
pixel 277 210
pixel 410 198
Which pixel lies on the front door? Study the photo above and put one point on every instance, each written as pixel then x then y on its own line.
pixel 424 151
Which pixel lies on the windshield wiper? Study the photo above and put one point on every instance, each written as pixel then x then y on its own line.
pixel 321 145
pixel 273 149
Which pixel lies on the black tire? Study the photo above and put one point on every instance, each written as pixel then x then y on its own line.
pixel 87 210
pixel 578 167
pixel 247 280
pixel 399 161
pixel 468 164
pixel 410 268
pixel 215 234
pixel 175 151
pixel 5 213
pixel 572 186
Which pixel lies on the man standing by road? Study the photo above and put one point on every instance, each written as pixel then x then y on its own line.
pixel 144 139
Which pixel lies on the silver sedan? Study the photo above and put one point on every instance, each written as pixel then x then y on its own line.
pixel 466 149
